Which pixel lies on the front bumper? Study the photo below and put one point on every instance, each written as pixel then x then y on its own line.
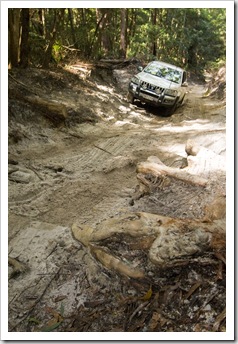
pixel 151 97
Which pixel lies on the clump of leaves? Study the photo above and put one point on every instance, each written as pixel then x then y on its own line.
pixel 56 320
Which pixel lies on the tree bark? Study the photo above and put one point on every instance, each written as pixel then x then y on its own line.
pixel 13 35
pixel 51 36
pixel 154 21
pixel 123 33
pixel 24 48
pixel 71 21
pixel 104 41
pixel 41 14
pixel 97 33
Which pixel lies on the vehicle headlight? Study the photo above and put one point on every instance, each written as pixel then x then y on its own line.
pixel 170 92
pixel 135 80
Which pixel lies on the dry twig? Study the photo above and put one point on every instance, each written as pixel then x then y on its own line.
pixel 36 303
pixel 218 320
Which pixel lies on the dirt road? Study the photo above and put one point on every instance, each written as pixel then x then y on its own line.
pixel 86 173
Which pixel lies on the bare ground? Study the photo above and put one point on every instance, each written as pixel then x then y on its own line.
pixel 83 172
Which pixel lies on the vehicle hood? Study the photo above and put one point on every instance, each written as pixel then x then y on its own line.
pixel 156 81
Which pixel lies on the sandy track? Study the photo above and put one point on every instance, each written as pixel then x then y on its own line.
pixel 87 174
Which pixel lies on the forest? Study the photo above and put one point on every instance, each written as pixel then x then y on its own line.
pixel 183 36
pixel 116 211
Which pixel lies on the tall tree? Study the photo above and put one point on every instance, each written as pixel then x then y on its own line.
pixel 123 32
pixel 190 37
pixel 154 39
pixel 13 35
pixel 103 20
pixel 24 48
pixel 41 16
pixel 57 15
pixel 71 21
pixel 100 17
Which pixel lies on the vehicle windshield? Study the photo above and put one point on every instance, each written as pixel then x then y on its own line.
pixel 167 73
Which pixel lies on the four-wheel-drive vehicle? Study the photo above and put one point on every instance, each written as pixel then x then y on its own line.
pixel 159 84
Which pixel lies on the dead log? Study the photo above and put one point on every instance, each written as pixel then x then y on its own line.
pixel 172 242
pixel 115 63
pixel 203 161
pixel 155 167
pixel 111 262
pixel 53 110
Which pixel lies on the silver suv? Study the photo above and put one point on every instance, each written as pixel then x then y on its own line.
pixel 159 84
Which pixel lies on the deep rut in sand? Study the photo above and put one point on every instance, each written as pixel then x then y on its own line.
pixel 86 174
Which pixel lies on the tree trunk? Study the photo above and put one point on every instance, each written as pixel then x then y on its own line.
pixel 154 21
pixel 71 21
pixel 123 33
pixel 97 33
pixel 104 41
pixel 24 49
pixel 13 35
pixel 41 15
pixel 132 27
pixel 51 36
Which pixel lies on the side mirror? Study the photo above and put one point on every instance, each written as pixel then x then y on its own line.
pixel 140 68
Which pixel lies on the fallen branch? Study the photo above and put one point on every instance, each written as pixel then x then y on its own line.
pixel 192 290
pixel 103 150
pixel 52 109
pixel 158 169
pixel 137 310
pixel 111 262
pixel 55 111
pixel 37 301
pixel 218 320
pixel 71 49
pixel 18 267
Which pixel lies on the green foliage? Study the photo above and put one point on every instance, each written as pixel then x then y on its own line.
pixel 190 37
pixel 36 45
pixel 57 52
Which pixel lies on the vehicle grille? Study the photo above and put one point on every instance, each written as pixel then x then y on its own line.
pixel 147 86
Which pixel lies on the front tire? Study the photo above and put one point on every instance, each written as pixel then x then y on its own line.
pixel 130 98
pixel 169 111
pixel 181 101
